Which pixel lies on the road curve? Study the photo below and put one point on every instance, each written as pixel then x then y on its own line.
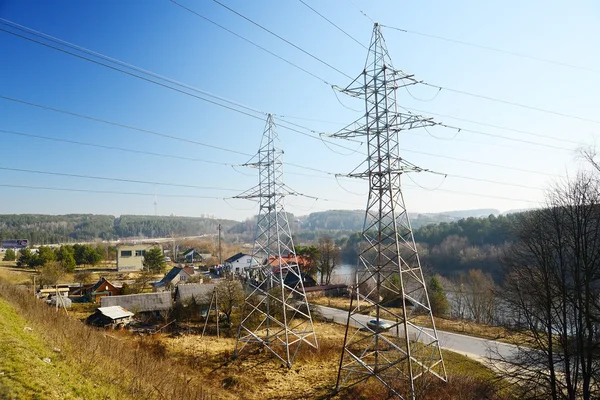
pixel 481 349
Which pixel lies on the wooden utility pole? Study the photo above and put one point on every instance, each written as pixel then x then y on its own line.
pixel 220 250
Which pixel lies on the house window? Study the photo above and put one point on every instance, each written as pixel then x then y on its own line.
pixel 125 253
pixel 140 253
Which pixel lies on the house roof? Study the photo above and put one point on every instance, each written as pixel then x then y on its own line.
pixel 171 275
pixel 115 312
pixel 143 302
pixel 98 284
pixel 189 270
pixel 197 291
pixel 236 257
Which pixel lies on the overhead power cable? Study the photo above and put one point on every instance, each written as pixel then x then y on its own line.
pixel 496 126
pixel 328 174
pixel 511 103
pixel 127 65
pixel 494 49
pixel 196 159
pixel 281 38
pixel 113 179
pixel 231 102
pixel 249 41
pixel 191 196
pixel 332 23
pixel 362 12
pixel 62 189
pixel 130 74
pixel 141 70
pixel 120 125
pixel 480 163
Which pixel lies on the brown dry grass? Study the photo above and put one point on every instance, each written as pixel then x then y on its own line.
pixel 314 372
pixel 138 368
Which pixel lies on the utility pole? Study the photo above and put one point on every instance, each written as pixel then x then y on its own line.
pixel 391 282
pixel 220 250
pixel 275 315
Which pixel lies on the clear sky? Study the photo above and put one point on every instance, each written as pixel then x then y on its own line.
pixel 162 37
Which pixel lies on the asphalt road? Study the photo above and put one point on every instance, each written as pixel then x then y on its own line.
pixel 482 349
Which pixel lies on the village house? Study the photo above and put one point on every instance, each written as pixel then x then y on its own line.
pixel 238 263
pixel 100 289
pixel 114 316
pixel 130 257
pixel 192 256
pixel 175 276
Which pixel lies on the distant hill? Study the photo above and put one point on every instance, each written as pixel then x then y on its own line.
pixel 45 229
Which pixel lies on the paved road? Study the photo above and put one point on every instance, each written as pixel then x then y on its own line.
pixel 481 349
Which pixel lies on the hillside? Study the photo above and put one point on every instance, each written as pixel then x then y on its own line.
pixel 25 374
pixel 43 229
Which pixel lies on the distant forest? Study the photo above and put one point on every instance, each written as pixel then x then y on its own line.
pixel 452 248
pixel 47 229
pixel 447 245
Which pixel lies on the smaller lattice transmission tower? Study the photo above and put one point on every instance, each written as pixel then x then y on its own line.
pixel 275 315
pixel 388 344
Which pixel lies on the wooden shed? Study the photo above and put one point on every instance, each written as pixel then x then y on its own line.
pixel 110 316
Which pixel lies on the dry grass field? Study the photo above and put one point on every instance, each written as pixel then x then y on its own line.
pixel 314 373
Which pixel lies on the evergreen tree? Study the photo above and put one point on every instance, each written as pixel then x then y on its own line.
pixel 154 260
pixel 437 297
pixel 9 255
pixel 65 256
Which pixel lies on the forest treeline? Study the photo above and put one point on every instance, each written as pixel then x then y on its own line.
pixel 451 248
pixel 446 247
pixel 47 229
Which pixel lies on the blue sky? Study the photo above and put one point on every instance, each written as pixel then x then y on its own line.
pixel 164 38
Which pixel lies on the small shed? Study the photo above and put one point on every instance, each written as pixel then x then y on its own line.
pixel 110 316
pixel 198 292
pixel 140 303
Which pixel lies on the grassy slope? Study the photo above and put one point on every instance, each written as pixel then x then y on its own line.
pixel 26 375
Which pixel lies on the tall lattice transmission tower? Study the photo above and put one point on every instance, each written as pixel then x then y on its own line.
pixel 390 286
pixel 275 315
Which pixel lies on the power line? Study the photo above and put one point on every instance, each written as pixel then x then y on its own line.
pixel 120 125
pixel 494 49
pixel 79 48
pixel 251 42
pixel 362 12
pixel 330 175
pixel 76 142
pixel 480 163
pixel 496 126
pixel 332 23
pixel 113 179
pixel 62 189
pixel 511 103
pixel 236 104
pixel 127 65
pixel 130 73
pixel 281 38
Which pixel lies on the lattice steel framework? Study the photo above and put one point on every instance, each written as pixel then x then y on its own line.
pixel 390 284
pixel 275 313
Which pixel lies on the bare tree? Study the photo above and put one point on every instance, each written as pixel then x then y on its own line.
pixel 329 258
pixel 552 291
pixel 231 295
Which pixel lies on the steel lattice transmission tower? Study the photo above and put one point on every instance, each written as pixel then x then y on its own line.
pixel 275 313
pixel 390 285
